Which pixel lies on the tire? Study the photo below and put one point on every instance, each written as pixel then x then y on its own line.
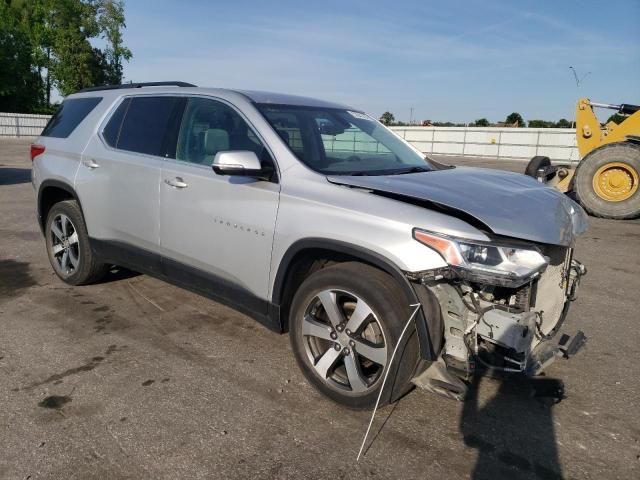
pixel 622 157
pixel 535 164
pixel 68 246
pixel 356 369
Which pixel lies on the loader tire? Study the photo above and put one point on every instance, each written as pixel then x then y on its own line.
pixel 535 164
pixel 607 181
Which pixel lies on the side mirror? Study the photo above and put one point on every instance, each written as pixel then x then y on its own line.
pixel 244 163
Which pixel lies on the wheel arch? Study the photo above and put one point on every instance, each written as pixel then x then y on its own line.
pixel 51 192
pixel 308 255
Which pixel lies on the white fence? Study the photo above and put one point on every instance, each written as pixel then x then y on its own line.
pixel 555 143
pixel 494 142
pixel 22 124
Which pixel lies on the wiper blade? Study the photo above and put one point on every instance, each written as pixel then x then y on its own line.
pixel 410 170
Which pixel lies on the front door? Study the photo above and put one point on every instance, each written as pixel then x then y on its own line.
pixel 217 231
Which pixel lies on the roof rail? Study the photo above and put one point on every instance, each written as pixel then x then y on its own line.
pixel 136 85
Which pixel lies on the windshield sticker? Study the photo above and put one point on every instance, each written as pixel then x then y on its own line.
pixel 361 116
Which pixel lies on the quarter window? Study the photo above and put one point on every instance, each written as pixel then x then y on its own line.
pixel 69 116
pixel 209 127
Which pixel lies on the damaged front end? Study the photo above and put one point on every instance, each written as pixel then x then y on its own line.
pixel 500 305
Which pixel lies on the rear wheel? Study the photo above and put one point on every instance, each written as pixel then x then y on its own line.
pixel 345 321
pixel 607 181
pixel 68 245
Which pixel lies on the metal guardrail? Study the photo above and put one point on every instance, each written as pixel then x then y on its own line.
pixel 22 124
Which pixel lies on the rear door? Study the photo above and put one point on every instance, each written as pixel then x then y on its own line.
pixel 217 231
pixel 120 173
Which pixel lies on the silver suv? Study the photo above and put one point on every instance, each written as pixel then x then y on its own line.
pixel 315 219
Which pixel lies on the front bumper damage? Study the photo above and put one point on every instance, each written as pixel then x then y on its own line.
pixel 497 331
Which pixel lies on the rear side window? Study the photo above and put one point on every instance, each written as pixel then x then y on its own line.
pixel 69 116
pixel 145 125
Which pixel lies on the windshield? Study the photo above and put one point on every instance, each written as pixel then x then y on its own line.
pixel 341 142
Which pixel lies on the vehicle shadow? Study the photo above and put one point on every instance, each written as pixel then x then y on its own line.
pixel 118 273
pixel 513 431
pixel 14 176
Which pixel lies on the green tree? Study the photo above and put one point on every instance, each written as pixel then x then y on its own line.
pixel 111 22
pixel 47 43
pixel 564 123
pixel 541 124
pixel 481 122
pixel 73 64
pixel 387 118
pixel 515 119
pixel 36 19
pixel 20 84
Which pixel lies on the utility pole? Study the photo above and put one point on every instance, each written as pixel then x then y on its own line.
pixel 411 116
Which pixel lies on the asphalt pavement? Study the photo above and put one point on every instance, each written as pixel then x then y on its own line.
pixel 135 378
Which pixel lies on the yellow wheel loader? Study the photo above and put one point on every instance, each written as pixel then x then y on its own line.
pixel 606 180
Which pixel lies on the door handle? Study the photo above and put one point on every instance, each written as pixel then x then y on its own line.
pixel 176 182
pixel 90 163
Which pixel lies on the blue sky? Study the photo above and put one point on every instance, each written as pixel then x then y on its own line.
pixel 450 60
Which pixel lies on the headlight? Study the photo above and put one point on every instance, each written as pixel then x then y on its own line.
pixel 487 263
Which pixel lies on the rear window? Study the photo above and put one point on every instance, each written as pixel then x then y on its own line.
pixel 69 116
pixel 145 125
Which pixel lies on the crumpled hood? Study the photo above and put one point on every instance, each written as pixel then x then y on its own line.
pixel 509 204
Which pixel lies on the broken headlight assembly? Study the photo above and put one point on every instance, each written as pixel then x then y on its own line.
pixel 496 264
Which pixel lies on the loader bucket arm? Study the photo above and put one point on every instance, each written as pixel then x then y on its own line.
pixel 589 134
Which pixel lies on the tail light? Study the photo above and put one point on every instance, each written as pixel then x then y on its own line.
pixel 36 150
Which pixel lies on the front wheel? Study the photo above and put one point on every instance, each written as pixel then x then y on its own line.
pixel 345 321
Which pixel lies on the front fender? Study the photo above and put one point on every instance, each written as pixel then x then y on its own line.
pixel 428 320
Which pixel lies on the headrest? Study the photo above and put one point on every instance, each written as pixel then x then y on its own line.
pixel 215 140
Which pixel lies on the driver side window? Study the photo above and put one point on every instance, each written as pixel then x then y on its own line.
pixel 209 127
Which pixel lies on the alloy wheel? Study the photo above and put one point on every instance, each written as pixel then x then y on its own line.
pixel 65 248
pixel 344 341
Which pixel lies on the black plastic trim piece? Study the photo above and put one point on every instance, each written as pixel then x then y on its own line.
pixel 218 289
pixel 189 278
pixel 170 142
pixel 128 256
pixel 56 184
pixel 431 331
pixel 136 85
pixel 425 325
